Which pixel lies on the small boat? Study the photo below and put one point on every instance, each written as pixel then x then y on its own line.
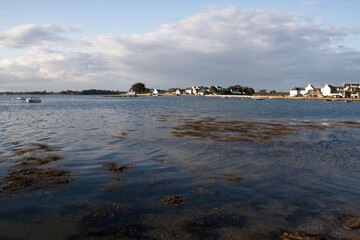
pixel 258 98
pixel 33 100
pixel 21 98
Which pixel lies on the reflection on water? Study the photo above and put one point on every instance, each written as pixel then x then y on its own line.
pixel 179 168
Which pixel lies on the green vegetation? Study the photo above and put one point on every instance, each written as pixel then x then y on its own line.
pixel 246 90
pixel 139 88
pixel 212 90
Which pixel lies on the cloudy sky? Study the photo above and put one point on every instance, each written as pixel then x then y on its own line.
pixel 111 44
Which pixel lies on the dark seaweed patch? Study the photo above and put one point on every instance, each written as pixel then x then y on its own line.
pixel 119 172
pixel 225 177
pixel 33 178
pixel 275 132
pixel 205 226
pixel 29 172
pixel 111 221
pixel 299 236
pixel 116 167
pixel 172 200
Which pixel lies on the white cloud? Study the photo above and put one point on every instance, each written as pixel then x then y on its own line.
pixel 33 35
pixel 223 46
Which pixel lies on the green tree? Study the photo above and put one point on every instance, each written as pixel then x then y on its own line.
pixel 138 88
pixel 212 90
pixel 248 91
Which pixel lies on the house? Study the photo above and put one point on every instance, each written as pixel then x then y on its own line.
pixel 131 94
pixel 330 91
pixel 196 89
pixel 219 89
pixel 178 92
pixel 309 88
pixel 188 91
pixel 236 91
pixel 352 90
pixel 155 92
pixel 316 92
pixel 297 91
pixel 203 91
pixel 199 90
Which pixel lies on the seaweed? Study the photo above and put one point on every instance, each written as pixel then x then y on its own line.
pixel 299 236
pixel 204 226
pixel 172 200
pixel 116 167
pixel 110 221
pixel 33 178
pixel 119 173
pixel 29 173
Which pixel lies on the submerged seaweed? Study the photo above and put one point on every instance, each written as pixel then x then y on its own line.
pixel 119 172
pixel 172 200
pixel 27 173
pixel 276 132
pixel 110 221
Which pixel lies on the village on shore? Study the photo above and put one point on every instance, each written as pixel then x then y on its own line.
pixel 347 91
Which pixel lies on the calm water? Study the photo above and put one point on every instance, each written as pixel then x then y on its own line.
pixel 309 182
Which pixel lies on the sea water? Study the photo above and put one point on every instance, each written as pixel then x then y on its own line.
pixel 306 181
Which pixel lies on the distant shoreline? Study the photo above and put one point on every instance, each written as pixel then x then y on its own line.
pixel 252 97
pixel 288 98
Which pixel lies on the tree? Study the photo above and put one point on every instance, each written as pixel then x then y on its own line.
pixel 212 90
pixel 139 88
pixel 248 91
pixel 262 92
pixel 273 92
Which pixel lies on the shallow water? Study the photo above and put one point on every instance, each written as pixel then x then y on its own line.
pixel 307 180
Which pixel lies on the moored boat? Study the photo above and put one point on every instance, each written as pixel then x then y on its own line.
pixel 33 100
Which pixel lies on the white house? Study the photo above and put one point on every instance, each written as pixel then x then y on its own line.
pixel 330 91
pixel 155 92
pixel 178 92
pixel 131 94
pixel 188 91
pixel 352 90
pixel 309 88
pixel 297 91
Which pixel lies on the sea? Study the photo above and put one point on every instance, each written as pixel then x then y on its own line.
pixel 95 167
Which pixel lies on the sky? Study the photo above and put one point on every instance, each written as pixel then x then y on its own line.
pixel 112 44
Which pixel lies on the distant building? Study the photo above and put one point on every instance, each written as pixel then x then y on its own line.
pixel 219 89
pixel 236 91
pixel 155 92
pixel 188 91
pixel 178 92
pixel 297 91
pixel 352 90
pixel 131 94
pixel 309 88
pixel 330 91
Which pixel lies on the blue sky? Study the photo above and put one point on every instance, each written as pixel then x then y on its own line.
pixel 109 44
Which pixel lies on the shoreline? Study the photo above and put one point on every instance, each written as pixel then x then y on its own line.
pixel 288 98
pixel 262 97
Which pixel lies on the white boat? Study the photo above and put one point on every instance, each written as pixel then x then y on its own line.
pixel 33 100
pixel 257 98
